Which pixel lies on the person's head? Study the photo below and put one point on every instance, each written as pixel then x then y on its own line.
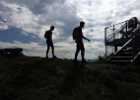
pixel 135 21
pixel 82 24
pixel 52 28
pixel 135 18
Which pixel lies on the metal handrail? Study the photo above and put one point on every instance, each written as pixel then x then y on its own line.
pixel 136 56
pixel 130 40
pixel 117 24
pixel 114 33
pixel 108 37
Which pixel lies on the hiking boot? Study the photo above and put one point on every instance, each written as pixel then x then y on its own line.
pixel 47 57
pixel 75 61
pixel 54 57
pixel 84 61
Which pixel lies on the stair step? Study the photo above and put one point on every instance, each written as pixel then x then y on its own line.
pixel 121 61
pixel 129 50
pixel 122 57
pixel 126 53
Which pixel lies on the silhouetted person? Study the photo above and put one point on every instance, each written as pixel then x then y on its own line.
pixel 136 26
pixel 123 31
pixel 78 37
pixel 128 28
pixel 48 37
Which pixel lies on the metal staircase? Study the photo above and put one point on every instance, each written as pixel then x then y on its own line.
pixel 124 54
pixel 127 54
pixel 121 50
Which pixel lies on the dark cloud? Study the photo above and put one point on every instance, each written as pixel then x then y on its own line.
pixel 36 6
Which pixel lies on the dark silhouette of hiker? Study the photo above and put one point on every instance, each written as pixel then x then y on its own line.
pixel 136 27
pixel 48 37
pixel 128 28
pixel 78 37
pixel 137 30
pixel 123 31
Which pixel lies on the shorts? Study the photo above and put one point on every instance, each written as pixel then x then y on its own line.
pixel 80 45
pixel 49 43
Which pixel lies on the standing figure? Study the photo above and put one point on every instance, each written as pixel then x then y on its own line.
pixel 127 30
pixel 78 37
pixel 49 42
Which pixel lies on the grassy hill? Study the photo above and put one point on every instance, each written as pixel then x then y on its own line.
pixel 27 78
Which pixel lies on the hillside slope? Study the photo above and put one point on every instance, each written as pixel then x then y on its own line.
pixel 41 79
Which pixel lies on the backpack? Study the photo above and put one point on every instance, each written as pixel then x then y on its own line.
pixel 74 34
pixel 46 34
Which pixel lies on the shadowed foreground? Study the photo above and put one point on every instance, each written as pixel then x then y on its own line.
pixel 42 79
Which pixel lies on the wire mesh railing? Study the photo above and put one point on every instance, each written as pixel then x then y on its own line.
pixel 124 36
pixel 113 33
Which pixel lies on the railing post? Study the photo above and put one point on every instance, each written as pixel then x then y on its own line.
pixel 114 36
pixel 113 32
pixel 105 31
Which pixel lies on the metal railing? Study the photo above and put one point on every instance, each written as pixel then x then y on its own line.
pixel 112 33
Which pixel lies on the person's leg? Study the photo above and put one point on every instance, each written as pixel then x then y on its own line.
pixel 53 52
pixel 52 47
pixel 77 52
pixel 83 53
pixel 48 48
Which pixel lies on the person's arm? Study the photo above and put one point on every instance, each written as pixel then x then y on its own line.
pixel 86 38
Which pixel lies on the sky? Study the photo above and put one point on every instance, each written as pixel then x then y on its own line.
pixel 24 22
